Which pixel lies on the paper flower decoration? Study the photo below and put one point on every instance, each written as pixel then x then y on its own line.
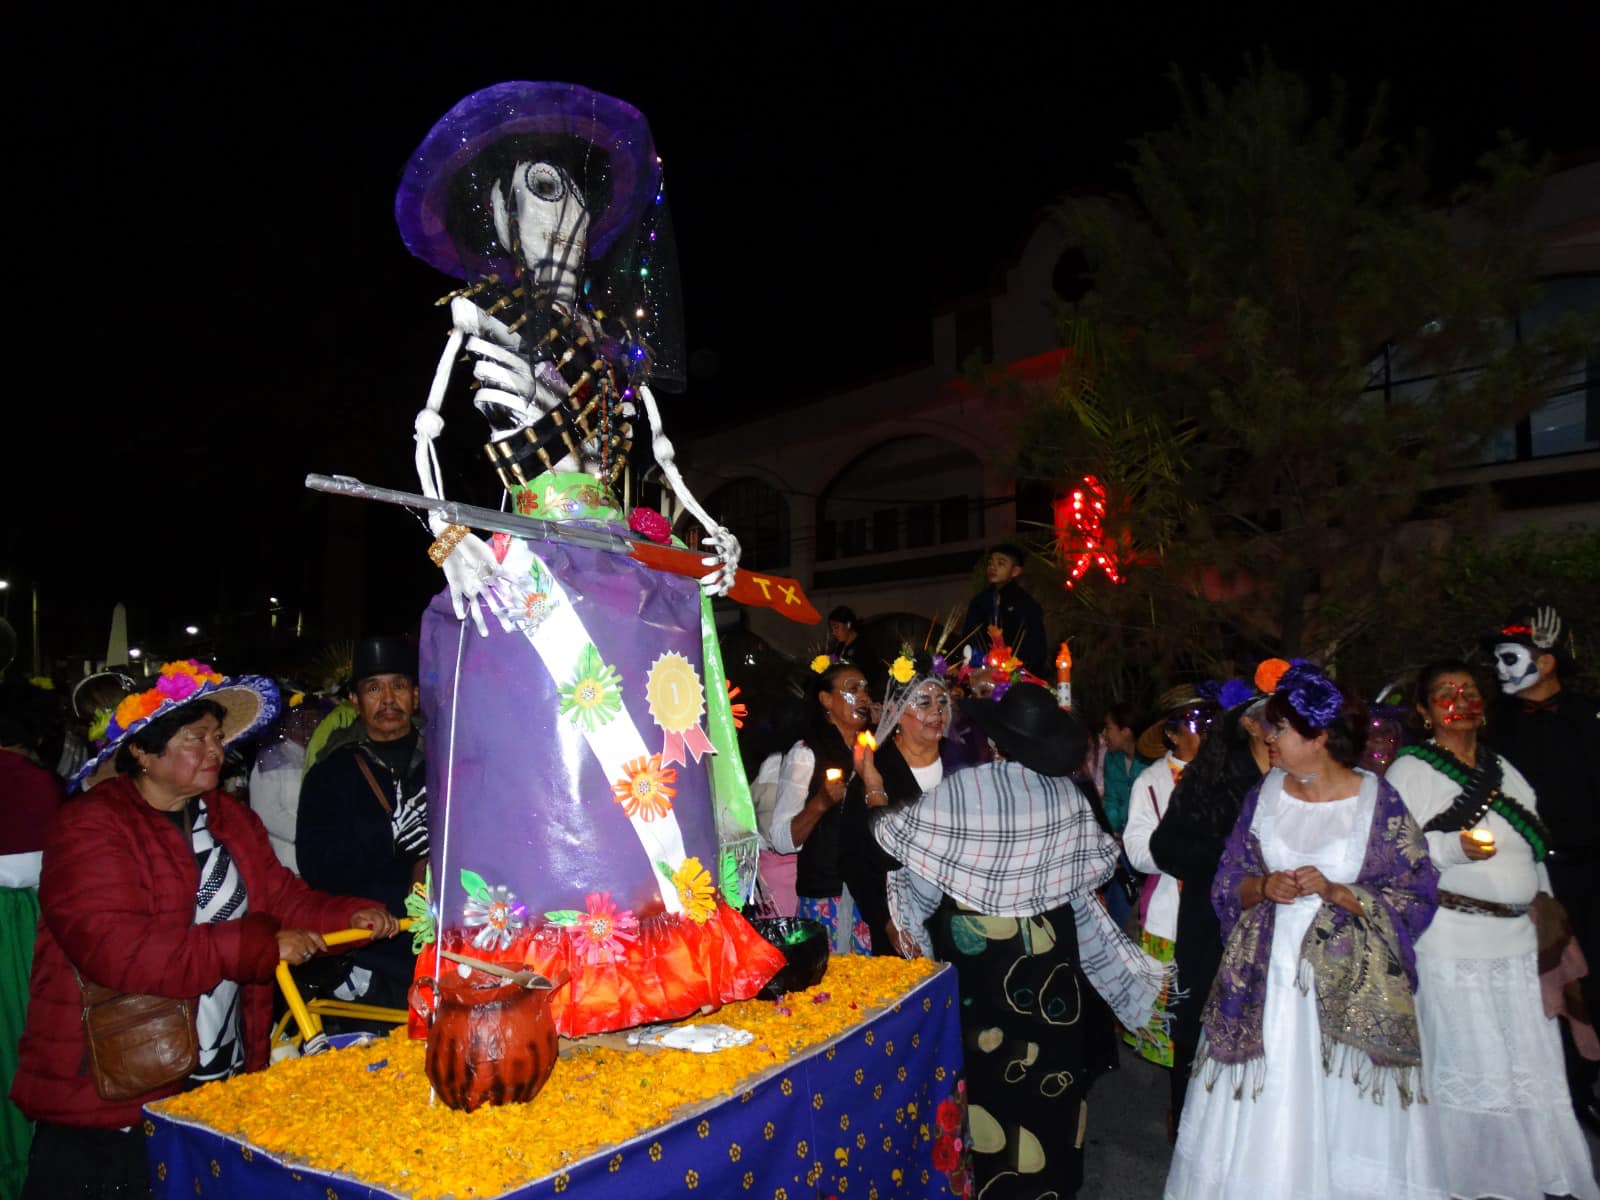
pixel 137 707
pixel 646 790
pixel 647 522
pixel 738 708
pixel 902 670
pixel 1269 672
pixel 177 682
pixel 492 911
pixel 101 722
pixel 177 687
pixel 594 694
pixel 421 913
pixel 1311 694
pixel 601 933
pixel 1235 692
pixel 695 890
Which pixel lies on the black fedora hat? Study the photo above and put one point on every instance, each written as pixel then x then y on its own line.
pixel 1027 726
pixel 382 655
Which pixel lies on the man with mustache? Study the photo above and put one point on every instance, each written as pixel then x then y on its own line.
pixel 363 818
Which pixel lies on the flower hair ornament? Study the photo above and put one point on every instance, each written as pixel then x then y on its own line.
pixel 1311 694
pixel 915 681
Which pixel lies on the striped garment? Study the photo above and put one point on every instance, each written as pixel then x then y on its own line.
pixel 1008 842
pixel 221 898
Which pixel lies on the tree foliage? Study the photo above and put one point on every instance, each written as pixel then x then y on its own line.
pixel 1255 298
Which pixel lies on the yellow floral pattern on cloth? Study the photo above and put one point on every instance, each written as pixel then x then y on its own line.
pixel 306 1109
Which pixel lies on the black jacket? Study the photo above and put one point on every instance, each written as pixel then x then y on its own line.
pixel 1021 620
pixel 817 873
pixel 346 843
pixel 1556 746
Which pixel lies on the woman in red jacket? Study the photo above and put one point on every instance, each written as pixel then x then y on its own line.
pixel 156 882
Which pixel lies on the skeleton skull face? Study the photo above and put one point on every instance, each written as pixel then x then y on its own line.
pixel 929 705
pixel 1516 666
pixel 541 215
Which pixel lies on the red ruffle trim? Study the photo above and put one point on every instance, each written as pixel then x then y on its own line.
pixel 674 969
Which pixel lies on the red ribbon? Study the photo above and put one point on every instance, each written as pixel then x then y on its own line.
pixel 693 741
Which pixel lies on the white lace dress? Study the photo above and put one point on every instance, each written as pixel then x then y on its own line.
pixel 1500 1115
pixel 1308 1135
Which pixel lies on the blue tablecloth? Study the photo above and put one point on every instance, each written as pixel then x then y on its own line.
pixel 875 1112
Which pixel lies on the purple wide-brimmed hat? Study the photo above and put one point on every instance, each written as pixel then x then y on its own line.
pixel 506 110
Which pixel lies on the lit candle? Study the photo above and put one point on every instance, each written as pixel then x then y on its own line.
pixel 1483 837
pixel 865 738
pixel 833 774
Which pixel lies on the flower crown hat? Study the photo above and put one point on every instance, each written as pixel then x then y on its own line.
pixel 249 704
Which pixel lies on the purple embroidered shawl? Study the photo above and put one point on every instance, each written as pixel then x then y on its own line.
pixel 1351 958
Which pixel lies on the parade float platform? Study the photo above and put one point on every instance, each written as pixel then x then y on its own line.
pixel 853 1088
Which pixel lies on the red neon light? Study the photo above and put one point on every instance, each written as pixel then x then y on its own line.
pixel 1080 530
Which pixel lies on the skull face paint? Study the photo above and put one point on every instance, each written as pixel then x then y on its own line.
pixel 847 703
pixel 929 705
pixel 545 221
pixel 1516 666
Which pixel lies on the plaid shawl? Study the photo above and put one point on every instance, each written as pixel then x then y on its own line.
pixel 1008 842
pixel 1363 968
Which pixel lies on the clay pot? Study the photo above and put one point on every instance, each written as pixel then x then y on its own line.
pixel 491 1041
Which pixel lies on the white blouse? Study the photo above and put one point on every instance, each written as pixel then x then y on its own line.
pixel 1510 877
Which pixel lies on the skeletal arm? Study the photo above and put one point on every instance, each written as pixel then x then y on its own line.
pixel 726 561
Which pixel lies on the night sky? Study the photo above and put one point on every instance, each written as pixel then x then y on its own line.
pixel 210 298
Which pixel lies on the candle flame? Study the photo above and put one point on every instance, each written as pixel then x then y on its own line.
pixel 1482 836
pixel 834 774
pixel 865 738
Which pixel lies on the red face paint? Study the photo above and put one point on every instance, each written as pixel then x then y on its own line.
pixel 1458 703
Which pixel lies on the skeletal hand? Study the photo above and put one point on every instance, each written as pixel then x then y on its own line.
pixel 1546 627
pixel 469 572
pixel 499 364
pixel 725 563
pixel 409 825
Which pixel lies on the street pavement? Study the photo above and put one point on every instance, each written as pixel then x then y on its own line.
pixel 1125 1147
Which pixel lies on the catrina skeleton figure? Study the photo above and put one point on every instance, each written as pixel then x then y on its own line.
pixel 584 786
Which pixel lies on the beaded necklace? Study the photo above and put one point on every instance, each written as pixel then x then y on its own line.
pixel 1480 792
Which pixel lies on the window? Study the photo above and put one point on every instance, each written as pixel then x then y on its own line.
pixel 910 494
pixel 1567 421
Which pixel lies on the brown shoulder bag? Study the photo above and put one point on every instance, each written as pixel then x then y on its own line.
pixel 137 1044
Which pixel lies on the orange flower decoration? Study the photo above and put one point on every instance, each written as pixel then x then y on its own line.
pixel 647 790
pixel 138 706
pixel 198 671
pixel 1269 672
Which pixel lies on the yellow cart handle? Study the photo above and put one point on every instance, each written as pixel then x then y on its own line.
pixel 311 1027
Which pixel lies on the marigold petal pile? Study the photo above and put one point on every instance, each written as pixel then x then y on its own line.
pixel 365 1112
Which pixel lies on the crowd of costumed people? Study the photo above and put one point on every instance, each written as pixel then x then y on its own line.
pixel 1358 939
